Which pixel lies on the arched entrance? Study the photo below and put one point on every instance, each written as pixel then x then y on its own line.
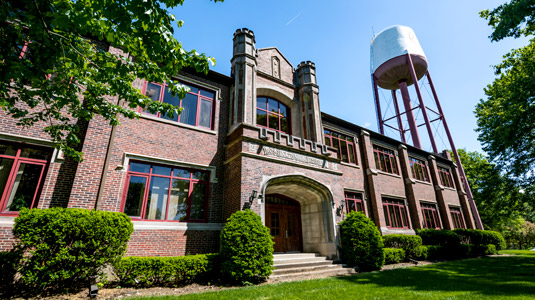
pixel 306 206
pixel 283 217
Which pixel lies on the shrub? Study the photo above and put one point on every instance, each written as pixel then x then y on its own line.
pixel 434 252
pixel 410 243
pixel 394 255
pixel 362 245
pixel 164 271
pixel 495 238
pixel 8 266
pixel 246 248
pixel 422 253
pixel 63 247
pixel 443 237
pixel 480 250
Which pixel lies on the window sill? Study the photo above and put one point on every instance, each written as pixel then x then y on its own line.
pixel 350 165
pixel 388 174
pixel 423 182
pixel 174 123
pixel 174 225
pixel 7 220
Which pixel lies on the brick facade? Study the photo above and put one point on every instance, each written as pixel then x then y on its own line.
pixel 240 157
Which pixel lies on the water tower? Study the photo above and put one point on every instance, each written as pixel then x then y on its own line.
pixel 397 62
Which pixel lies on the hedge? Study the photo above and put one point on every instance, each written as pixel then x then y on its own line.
pixel 481 237
pixel 410 243
pixel 394 255
pixel 246 248
pixel 63 247
pixel 165 271
pixel 362 245
pixel 460 243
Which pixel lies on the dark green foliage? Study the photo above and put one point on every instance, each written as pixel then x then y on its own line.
pixel 439 237
pixel 484 249
pixel 64 247
pixel 362 245
pixel 410 243
pixel 422 253
pixel 394 255
pixel 246 249
pixel 165 271
pixel 481 237
pixel 8 267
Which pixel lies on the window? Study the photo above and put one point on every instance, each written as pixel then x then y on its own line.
pixel 157 192
pixel 385 159
pixel 197 106
pixel 457 217
pixel 354 202
pixel 418 169
pixel 395 213
pixel 272 114
pixel 445 177
pixel 430 214
pixel 344 144
pixel 22 171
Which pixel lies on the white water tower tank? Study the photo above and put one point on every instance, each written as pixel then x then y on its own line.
pixel 388 52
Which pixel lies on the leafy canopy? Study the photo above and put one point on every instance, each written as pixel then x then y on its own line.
pixel 506 119
pixel 55 67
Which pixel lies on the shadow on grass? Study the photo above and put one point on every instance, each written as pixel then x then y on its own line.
pixel 493 276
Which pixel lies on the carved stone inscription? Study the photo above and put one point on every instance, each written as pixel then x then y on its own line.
pixel 292 156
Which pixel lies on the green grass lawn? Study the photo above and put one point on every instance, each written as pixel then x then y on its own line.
pixel 505 277
pixel 518 252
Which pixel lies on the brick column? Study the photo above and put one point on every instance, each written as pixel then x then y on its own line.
pixel 368 163
pixel 445 214
pixel 463 199
pixel 414 205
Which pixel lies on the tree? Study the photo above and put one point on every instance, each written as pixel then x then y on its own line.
pixel 506 119
pixel 499 200
pixel 55 68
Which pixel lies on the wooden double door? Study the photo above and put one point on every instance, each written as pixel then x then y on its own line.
pixel 283 218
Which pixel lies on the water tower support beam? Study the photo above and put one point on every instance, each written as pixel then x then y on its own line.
pixel 398 116
pixel 422 105
pixel 456 155
pixel 410 116
pixel 378 106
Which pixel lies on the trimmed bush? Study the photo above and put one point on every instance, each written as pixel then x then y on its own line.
pixel 422 253
pixel 481 237
pixel 362 245
pixel 480 250
pixel 8 266
pixel 410 243
pixel 246 248
pixel 394 255
pixel 443 237
pixel 165 271
pixel 65 246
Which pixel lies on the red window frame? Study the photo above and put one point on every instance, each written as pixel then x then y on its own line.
pixel 148 179
pixel 198 94
pixel 332 137
pixel 15 166
pixel 418 169
pixel 445 177
pixel 457 217
pixel 385 160
pixel 395 213
pixel 430 214
pixel 270 113
pixel 356 200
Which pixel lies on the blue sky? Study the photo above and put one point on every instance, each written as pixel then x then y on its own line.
pixel 336 36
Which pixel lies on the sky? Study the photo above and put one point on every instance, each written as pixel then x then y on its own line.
pixel 336 36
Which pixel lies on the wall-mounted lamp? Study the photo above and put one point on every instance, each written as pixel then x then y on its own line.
pixel 253 196
pixel 340 209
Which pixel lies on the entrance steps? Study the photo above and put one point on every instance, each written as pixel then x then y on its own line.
pixel 299 266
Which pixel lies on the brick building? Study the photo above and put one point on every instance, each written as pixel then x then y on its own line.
pixel 257 139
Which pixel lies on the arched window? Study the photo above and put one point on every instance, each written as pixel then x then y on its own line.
pixel 272 114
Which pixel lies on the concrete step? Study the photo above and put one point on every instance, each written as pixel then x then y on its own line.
pixel 302 263
pixel 312 274
pixel 304 269
pixel 283 262
pixel 287 256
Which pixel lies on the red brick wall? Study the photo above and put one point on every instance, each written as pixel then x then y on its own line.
pixel 172 242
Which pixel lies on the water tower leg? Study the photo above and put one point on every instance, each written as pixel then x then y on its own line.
pixel 398 116
pixel 378 106
pixel 410 116
pixel 456 155
pixel 422 105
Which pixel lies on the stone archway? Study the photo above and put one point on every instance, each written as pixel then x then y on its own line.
pixel 317 218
